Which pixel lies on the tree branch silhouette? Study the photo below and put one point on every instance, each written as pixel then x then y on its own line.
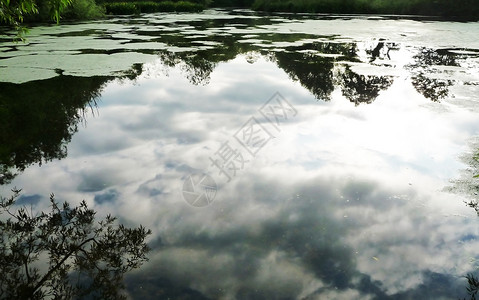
pixel 72 242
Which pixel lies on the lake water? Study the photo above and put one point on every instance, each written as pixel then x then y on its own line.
pixel 273 157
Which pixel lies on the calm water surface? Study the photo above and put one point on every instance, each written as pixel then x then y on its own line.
pixel 329 144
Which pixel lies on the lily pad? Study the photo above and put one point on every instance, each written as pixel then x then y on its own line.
pixel 44 66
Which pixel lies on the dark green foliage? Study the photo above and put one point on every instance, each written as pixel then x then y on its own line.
pixel 84 10
pixel 86 258
pixel 149 6
pixel 49 10
pixel 135 7
pixel 186 6
pixel 232 3
pixel 56 7
pixel 121 8
pixel 76 10
pixel 458 8
pixel 13 13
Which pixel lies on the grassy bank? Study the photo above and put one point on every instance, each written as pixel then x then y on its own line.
pixel 459 8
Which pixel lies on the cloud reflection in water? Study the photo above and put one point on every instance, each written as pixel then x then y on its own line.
pixel 345 202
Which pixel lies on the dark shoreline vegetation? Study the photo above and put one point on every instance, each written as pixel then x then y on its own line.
pixel 467 9
pixel 41 10
pixel 136 7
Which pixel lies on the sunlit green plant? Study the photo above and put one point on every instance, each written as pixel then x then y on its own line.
pixel 13 13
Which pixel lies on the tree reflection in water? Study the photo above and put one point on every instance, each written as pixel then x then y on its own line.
pixel 423 67
pixel 65 253
pixel 362 88
pixel 39 118
pixel 313 72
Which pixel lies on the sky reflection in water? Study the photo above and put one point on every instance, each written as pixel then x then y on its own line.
pixel 345 202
